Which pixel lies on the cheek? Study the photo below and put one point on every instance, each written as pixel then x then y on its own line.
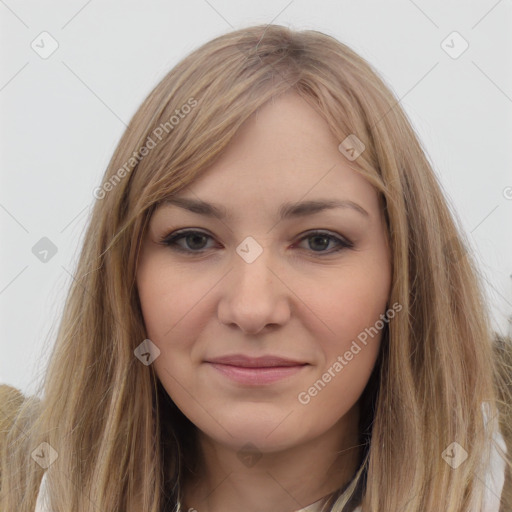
pixel 168 298
pixel 165 316
pixel 158 306
pixel 352 310
pixel 340 383
pixel 348 359
pixel 352 301
pixel 174 313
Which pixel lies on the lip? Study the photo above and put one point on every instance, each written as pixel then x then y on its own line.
pixel 256 370
pixel 255 362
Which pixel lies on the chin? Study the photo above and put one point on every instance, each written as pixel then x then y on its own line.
pixel 267 436
pixel 256 441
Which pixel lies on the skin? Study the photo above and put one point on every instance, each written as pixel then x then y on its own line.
pixel 297 299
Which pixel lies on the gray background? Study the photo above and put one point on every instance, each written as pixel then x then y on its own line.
pixel 62 116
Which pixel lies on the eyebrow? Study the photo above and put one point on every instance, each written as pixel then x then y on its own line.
pixel 286 211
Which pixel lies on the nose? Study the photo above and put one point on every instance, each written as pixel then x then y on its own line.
pixel 254 296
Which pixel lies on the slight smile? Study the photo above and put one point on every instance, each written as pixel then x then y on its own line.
pixel 256 371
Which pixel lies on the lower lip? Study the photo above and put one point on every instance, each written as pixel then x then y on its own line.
pixel 257 376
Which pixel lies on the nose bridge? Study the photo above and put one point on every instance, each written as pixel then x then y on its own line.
pixel 253 296
pixel 252 267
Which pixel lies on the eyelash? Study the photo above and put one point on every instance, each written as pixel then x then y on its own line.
pixel 171 241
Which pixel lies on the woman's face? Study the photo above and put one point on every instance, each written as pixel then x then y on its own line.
pixel 258 282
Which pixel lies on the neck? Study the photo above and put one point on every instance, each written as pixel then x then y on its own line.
pixel 286 480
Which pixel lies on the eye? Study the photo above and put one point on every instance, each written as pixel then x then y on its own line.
pixel 321 239
pixel 196 240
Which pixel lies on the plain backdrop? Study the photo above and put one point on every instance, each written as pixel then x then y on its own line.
pixel 62 115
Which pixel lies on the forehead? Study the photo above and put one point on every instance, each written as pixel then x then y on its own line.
pixel 283 154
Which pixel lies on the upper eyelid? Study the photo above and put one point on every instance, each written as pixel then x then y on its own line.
pixel 176 234
pixel 310 232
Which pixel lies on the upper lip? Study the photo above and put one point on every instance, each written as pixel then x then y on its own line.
pixel 254 362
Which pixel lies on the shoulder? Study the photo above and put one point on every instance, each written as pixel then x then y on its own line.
pixel 11 400
pixel 502 346
pixel 15 408
pixel 494 478
pixel 41 505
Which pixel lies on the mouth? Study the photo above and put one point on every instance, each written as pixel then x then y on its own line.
pixel 256 370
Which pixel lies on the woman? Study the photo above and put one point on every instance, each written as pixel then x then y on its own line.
pixel 259 370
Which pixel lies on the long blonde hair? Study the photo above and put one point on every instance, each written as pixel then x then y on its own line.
pixel 104 412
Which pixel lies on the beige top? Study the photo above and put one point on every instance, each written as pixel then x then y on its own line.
pixel 316 507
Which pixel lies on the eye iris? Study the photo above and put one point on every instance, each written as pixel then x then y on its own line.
pixel 195 237
pixel 325 239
